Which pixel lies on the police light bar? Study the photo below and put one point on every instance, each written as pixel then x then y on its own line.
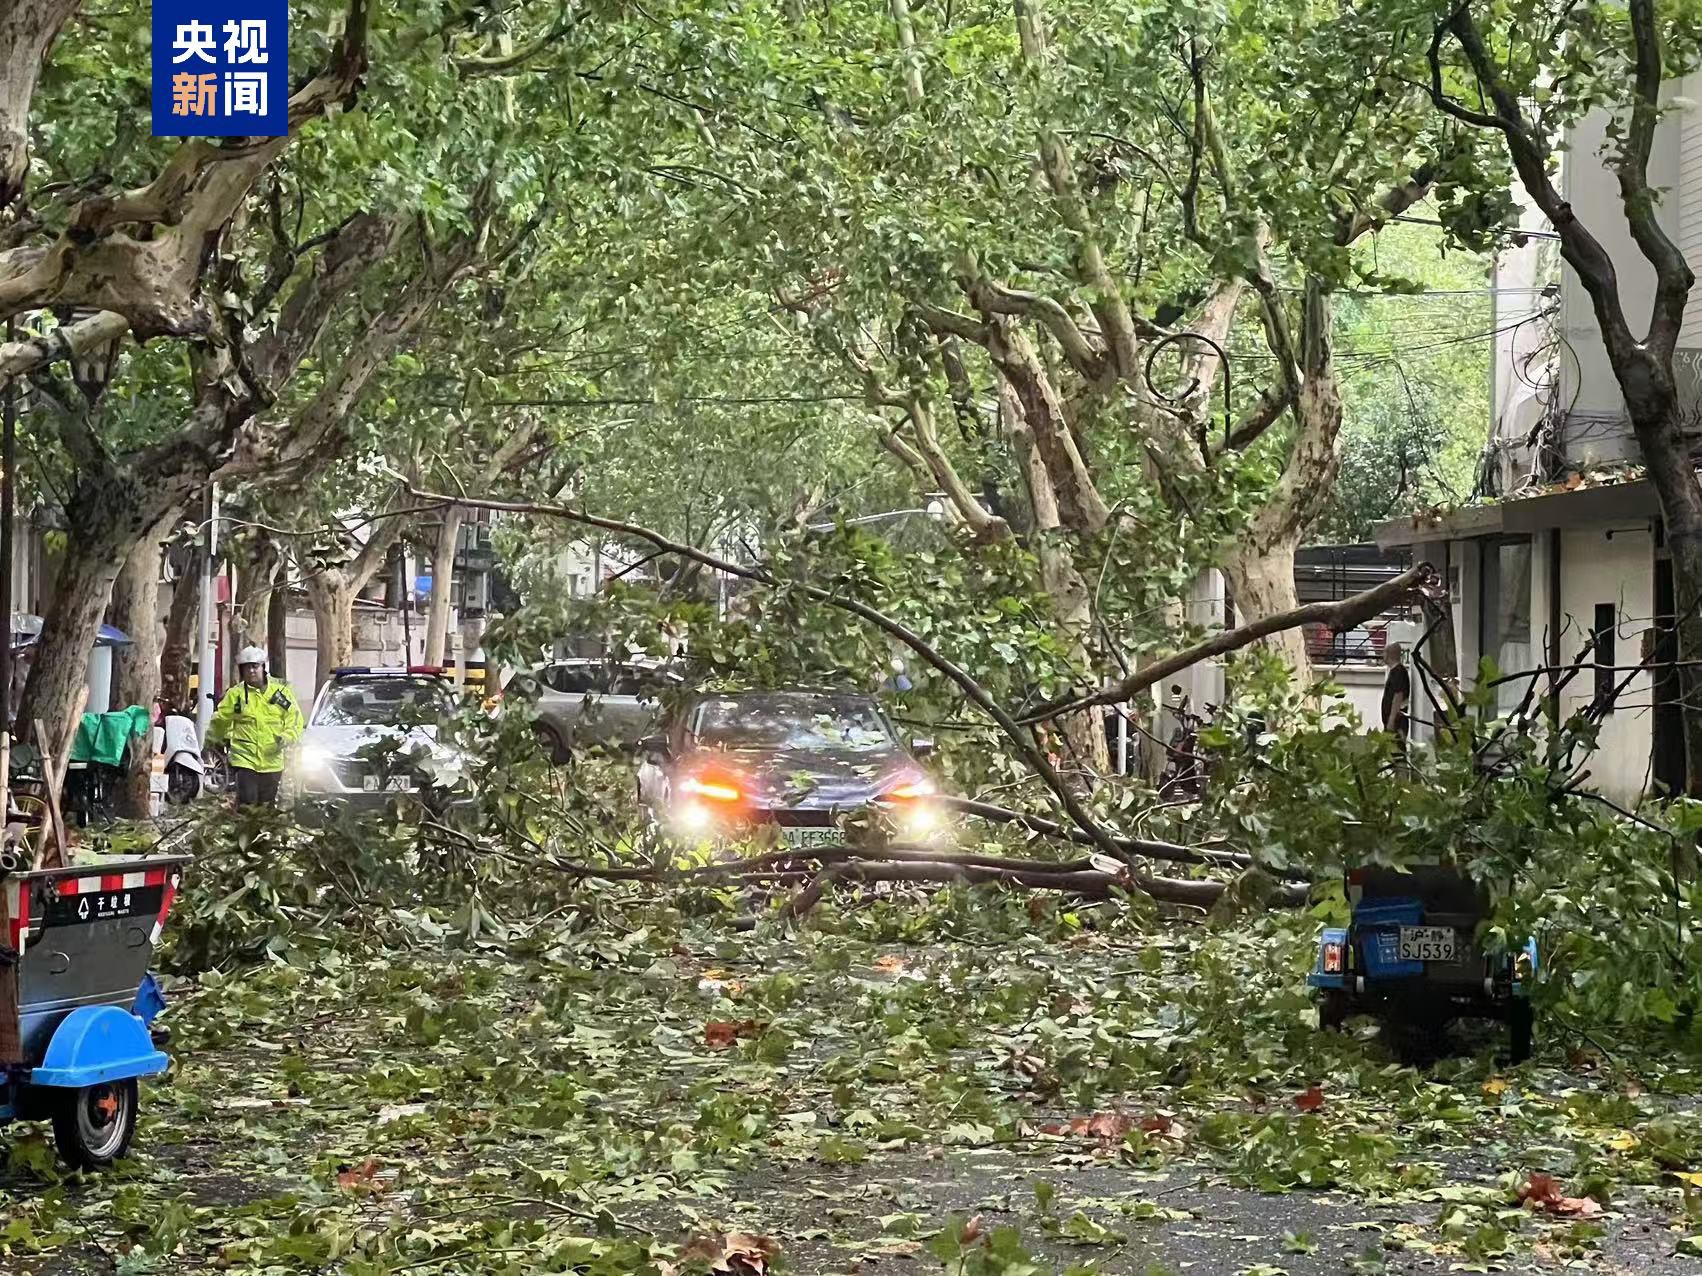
pixel 341 669
pixel 436 669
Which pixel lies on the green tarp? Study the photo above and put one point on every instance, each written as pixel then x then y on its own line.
pixel 105 737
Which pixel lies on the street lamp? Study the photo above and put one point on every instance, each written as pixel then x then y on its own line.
pixel 936 506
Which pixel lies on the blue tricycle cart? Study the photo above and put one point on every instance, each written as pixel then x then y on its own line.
pixel 1410 955
pixel 78 941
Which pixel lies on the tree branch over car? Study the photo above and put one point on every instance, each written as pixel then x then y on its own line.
pixel 1017 731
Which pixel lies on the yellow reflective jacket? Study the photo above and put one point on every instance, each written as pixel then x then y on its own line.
pixel 258 722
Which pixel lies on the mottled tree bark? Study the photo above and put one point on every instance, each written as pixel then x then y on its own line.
pixel 179 633
pixel 442 568
pixel 136 668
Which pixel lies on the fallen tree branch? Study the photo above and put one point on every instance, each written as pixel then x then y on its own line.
pixel 1170 852
pixel 1092 884
pixel 1342 614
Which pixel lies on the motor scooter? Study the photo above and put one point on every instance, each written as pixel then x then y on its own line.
pixel 176 742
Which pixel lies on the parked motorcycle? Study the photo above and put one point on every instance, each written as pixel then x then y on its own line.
pixel 1184 775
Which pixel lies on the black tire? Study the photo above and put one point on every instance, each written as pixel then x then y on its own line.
pixel 1521 1029
pixel 93 1125
pixel 1415 1043
pixel 181 785
pixel 552 745
pixel 1332 1008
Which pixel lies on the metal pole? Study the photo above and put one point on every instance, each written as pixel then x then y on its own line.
pixel 8 498
pixel 204 701
pixel 407 607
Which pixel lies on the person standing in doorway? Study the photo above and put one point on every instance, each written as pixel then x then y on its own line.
pixel 1397 692
pixel 259 717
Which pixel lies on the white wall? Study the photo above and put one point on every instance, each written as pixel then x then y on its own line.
pixel 1524 369
pixel 1362 687
pixel 1618 569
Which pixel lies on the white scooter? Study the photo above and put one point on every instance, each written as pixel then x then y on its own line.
pixel 178 744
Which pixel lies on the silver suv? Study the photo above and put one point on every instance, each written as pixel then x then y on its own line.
pixel 594 702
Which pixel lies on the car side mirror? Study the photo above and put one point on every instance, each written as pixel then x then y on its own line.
pixel 654 746
pixel 922 747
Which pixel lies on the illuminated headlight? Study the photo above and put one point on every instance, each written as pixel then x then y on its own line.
pixel 312 758
pixel 693 817
pixel 919 820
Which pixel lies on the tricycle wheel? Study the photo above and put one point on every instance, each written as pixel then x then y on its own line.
pixel 1332 1008
pixel 93 1125
pixel 1521 1023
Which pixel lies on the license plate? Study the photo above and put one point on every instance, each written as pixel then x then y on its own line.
pixel 1427 943
pixel 392 783
pixel 805 838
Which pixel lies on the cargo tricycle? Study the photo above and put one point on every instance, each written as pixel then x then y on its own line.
pixel 1411 956
pixel 78 940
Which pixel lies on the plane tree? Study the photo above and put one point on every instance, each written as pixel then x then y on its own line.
pixel 238 265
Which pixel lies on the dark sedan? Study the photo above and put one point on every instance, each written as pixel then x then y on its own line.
pixel 783 765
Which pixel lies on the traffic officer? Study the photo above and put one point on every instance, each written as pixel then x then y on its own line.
pixel 260 717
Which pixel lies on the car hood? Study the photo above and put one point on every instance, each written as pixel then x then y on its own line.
pixel 347 741
pixel 805 780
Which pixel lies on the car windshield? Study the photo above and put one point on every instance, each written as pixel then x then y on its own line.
pixel 383 702
pixel 834 724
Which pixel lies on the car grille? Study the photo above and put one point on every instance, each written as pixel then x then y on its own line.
pixel 350 772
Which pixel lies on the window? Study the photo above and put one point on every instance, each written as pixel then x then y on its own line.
pixel 1606 630
pixel 1506 616
pixel 575 680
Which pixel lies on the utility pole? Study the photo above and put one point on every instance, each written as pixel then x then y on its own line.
pixel 407 610
pixel 8 499
pixel 204 701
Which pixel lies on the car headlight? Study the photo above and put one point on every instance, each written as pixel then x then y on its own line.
pixel 920 820
pixel 312 757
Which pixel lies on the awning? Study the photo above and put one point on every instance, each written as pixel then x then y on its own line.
pixel 1633 502
pixel 26 632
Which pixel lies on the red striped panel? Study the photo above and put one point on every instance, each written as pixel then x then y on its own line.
pixel 70 886
pixel 165 901
pixel 112 881
pixel 156 877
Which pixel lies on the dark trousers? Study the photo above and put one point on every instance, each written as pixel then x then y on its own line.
pixel 256 788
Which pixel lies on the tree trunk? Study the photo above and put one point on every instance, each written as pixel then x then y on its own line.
pixel 179 634
pixel 1262 583
pixel 109 513
pixel 331 594
pixel 278 625
pixel 135 610
pixel 1657 420
pixel 136 668
pixel 255 573
pixel 60 669
pixel 442 569
pixel 1089 753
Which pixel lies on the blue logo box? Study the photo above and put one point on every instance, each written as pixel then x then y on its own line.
pixel 221 69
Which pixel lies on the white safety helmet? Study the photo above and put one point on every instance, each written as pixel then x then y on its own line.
pixel 251 656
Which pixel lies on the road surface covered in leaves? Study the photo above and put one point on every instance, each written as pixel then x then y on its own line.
pixel 974 1084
